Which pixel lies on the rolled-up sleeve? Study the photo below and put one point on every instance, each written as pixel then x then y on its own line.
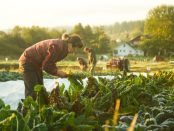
pixel 56 52
pixel 49 64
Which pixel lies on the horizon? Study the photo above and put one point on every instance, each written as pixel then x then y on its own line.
pixel 67 13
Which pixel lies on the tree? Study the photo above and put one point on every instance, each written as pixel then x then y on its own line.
pixel 89 35
pixel 160 26
pixel 85 33
pixel 10 43
pixel 19 38
pixel 55 33
pixel 104 42
pixel 16 39
pixel 125 30
pixel 101 41
pixel 78 29
pixel 34 34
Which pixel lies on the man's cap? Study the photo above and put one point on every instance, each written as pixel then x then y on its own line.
pixel 76 41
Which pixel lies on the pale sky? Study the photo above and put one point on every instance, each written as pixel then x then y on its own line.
pixel 52 13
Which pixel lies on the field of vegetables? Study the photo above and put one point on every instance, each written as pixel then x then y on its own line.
pixel 143 103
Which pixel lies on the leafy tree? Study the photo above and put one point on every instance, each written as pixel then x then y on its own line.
pixel 38 34
pixel 16 40
pixel 95 38
pixel 89 35
pixel 151 47
pixel 104 44
pixel 10 43
pixel 125 30
pixel 160 26
pixel 102 41
pixel 15 35
pixel 55 33
pixel 78 29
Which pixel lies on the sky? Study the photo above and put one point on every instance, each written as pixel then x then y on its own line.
pixel 52 13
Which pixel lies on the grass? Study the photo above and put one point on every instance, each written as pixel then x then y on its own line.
pixel 135 66
pixel 153 66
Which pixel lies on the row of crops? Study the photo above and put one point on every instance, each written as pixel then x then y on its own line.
pixel 92 107
pixel 13 75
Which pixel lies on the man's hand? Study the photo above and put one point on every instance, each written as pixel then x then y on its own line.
pixel 62 74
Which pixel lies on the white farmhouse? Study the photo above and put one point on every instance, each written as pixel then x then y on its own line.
pixel 124 49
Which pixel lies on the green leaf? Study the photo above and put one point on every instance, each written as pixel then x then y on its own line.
pixel 138 81
pixel 64 121
pixel 2 104
pixel 40 127
pixel 84 128
pixel 38 88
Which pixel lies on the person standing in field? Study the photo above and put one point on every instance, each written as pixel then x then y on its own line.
pixel 43 56
pixel 92 60
pixel 83 64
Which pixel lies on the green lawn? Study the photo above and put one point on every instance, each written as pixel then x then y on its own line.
pixel 154 66
pixel 135 66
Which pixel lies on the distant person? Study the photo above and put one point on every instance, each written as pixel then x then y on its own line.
pixel 120 64
pixel 92 60
pixel 43 56
pixel 83 64
pixel 101 58
pixel 126 65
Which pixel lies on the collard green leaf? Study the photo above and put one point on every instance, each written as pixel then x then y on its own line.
pixel 2 104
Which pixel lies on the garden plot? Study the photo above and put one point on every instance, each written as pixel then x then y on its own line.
pixel 150 98
pixel 13 91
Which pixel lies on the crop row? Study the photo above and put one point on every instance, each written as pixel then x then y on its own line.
pixel 88 107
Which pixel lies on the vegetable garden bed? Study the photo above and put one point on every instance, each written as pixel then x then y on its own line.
pixel 92 106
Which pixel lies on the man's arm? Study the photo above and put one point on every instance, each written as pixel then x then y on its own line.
pixel 53 70
pixel 49 64
pixel 62 74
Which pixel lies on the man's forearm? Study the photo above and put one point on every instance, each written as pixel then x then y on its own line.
pixel 61 74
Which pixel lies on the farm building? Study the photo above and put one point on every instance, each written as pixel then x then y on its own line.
pixel 124 49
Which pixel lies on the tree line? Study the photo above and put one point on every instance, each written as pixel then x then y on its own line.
pixel 15 41
pixel 159 26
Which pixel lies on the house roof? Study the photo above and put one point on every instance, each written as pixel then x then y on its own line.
pixel 139 37
pixel 121 43
pixel 135 39
pixel 128 43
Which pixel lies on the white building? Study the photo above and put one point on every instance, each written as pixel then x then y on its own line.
pixel 125 49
